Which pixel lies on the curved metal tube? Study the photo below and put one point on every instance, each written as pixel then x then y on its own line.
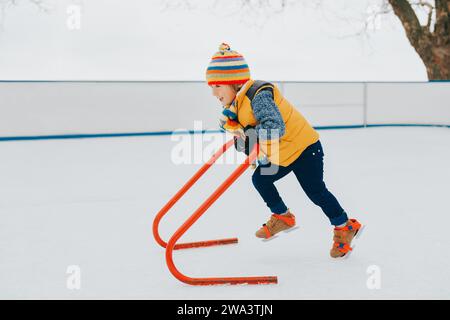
pixel 177 197
pixel 194 217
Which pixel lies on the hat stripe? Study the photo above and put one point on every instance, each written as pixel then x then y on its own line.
pixel 228 76
pixel 230 63
pixel 227 60
pixel 213 82
pixel 244 66
pixel 226 57
pixel 227 71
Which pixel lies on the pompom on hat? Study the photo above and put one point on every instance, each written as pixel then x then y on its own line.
pixel 227 67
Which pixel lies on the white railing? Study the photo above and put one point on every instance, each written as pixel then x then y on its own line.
pixel 99 107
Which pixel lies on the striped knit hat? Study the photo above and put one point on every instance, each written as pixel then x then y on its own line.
pixel 227 67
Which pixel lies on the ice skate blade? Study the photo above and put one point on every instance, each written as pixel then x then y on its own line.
pixel 291 229
pixel 285 231
pixel 269 239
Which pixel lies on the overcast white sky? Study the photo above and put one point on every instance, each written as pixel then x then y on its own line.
pixel 145 40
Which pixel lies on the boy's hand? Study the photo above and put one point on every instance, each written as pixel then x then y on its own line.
pixel 239 144
pixel 245 141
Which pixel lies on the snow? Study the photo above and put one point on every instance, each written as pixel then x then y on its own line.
pixel 91 203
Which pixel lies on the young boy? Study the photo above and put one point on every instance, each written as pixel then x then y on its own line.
pixel 255 111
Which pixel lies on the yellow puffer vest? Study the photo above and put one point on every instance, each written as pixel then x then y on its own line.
pixel 298 135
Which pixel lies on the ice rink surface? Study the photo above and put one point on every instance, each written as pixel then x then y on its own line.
pixel 91 203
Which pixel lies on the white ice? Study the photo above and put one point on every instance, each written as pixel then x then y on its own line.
pixel 91 203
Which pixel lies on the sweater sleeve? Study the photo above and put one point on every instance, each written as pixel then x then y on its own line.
pixel 268 116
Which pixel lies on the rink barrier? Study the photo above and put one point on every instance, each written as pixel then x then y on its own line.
pixel 172 245
pixel 178 132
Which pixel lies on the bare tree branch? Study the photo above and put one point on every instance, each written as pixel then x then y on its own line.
pixel 430 7
pixel 442 26
pixel 408 18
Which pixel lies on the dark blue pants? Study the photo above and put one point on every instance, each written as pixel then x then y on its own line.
pixel 308 168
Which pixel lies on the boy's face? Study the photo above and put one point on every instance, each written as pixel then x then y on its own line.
pixel 224 93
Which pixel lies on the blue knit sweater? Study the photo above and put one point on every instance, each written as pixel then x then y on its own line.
pixel 268 115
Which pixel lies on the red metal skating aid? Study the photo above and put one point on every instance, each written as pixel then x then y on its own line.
pixel 172 245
